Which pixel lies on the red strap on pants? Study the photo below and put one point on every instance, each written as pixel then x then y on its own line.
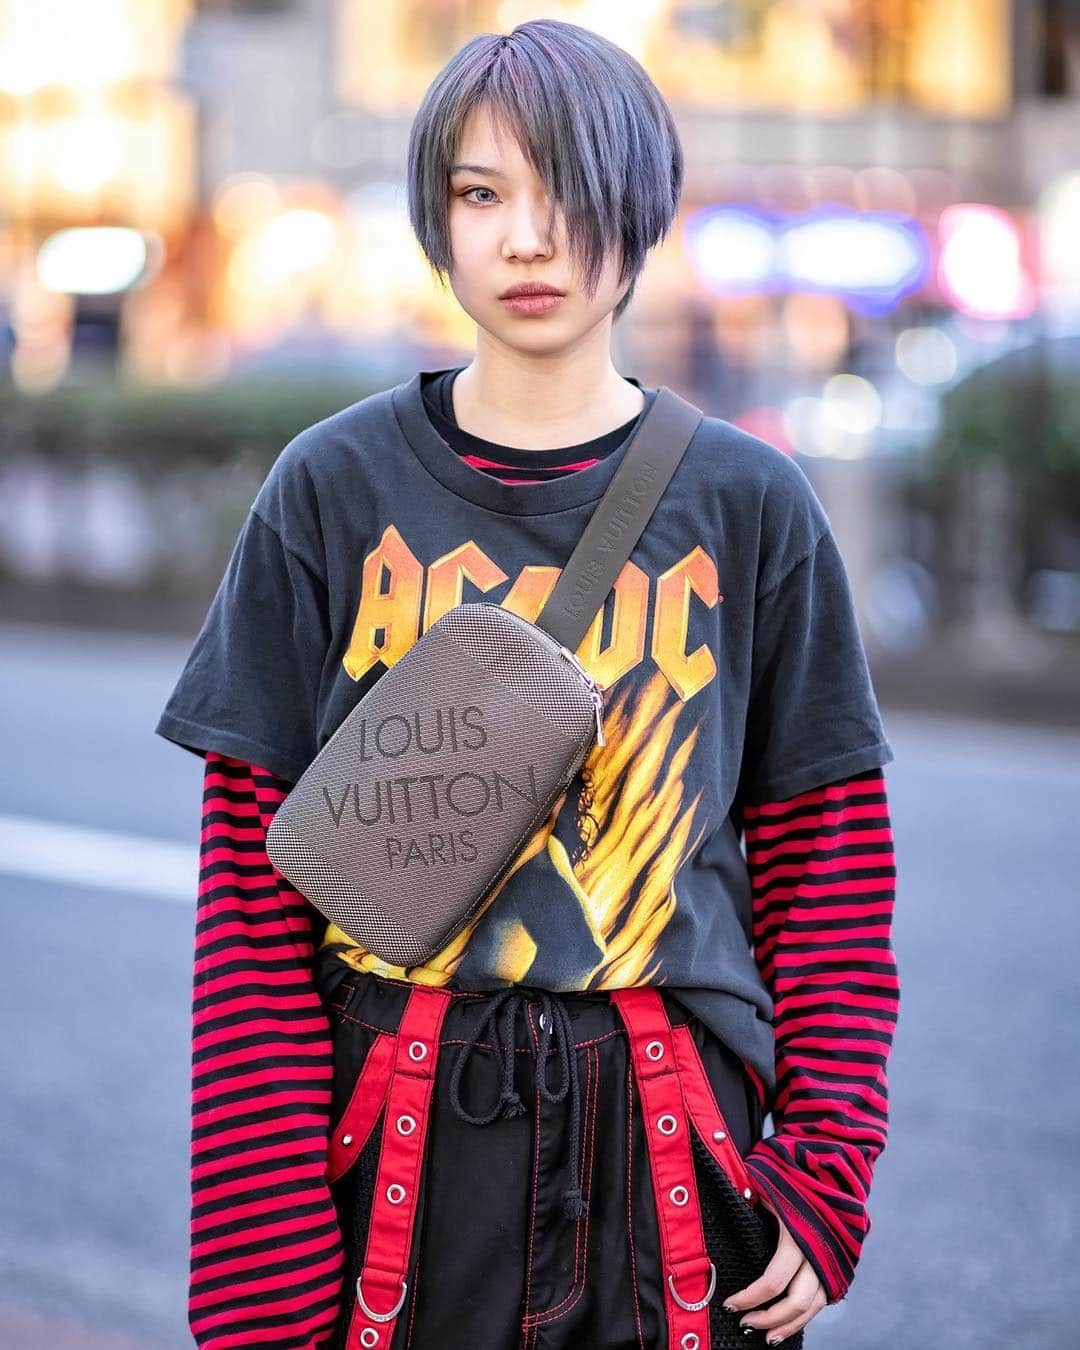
pixel 689 1275
pixel 381 1286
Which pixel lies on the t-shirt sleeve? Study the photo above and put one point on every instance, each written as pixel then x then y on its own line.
pixel 813 717
pixel 250 686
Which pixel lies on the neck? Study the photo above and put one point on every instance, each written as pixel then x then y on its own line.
pixel 542 403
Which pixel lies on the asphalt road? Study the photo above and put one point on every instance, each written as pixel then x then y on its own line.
pixel 976 1197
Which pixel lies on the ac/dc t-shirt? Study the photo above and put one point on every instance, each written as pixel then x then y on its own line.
pixel 728 651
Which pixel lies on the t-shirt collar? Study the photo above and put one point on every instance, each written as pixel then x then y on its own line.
pixel 525 499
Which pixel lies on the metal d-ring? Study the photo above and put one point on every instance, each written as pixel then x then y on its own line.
pixel 695 1307
pixel 380 1317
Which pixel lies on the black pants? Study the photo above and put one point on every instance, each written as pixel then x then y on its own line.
pixel 601 1204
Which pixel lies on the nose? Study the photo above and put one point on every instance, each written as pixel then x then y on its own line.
pixel 527 231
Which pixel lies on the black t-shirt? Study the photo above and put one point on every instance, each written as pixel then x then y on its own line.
pixel 728 650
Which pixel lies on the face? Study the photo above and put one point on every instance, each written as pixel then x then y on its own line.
pixel 497 224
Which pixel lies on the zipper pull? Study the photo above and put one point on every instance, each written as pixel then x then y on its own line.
pixel 598 704
pixel 594 690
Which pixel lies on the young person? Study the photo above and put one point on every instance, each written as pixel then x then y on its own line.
pixel 700 935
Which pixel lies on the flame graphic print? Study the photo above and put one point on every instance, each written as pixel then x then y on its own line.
pixel 595 923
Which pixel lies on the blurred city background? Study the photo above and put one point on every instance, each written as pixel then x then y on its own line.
pixel 204 248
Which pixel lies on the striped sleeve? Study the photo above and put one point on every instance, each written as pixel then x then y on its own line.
pixel 823 881
pixel 266 1251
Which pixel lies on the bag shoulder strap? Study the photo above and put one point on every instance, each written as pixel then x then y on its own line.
pixel 656 447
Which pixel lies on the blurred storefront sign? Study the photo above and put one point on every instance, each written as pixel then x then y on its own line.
pixel 869 259
pixel 980 267
pixel 97 172
pixel 92 127
pixel 945 57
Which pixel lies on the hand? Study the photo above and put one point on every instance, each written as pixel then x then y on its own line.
pixel 788 1273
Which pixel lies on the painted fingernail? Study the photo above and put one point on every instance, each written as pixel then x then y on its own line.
pixel 747 1329
pixel 730 1307
pixel 773 1340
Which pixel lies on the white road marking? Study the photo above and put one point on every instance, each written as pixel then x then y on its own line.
pixel 77 854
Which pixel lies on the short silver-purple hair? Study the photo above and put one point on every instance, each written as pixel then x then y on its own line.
pixel 589 121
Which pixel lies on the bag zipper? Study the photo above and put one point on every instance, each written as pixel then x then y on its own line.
pixel 595 692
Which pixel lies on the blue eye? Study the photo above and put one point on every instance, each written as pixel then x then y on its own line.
pixel 475 189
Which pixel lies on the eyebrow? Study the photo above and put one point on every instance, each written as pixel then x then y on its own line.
pixel 476 168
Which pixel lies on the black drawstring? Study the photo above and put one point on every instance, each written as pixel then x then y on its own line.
pixel 555 1018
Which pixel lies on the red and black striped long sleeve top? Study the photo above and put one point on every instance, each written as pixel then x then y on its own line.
pixel 266 1252
pixel 823 873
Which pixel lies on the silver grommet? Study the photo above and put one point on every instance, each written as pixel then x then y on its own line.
pixel 694 1307
pixel 719 1135
pixel 369 1336
pixel 346 1139
pixel 679 1195
pixel 417 1050
pixel 405 1124
pixel 667 1124
pixel 690 1341
pixel 543 1023
pixel 395 1193
pixel 748 1194
pixel 654 1049
pixel 379 1317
